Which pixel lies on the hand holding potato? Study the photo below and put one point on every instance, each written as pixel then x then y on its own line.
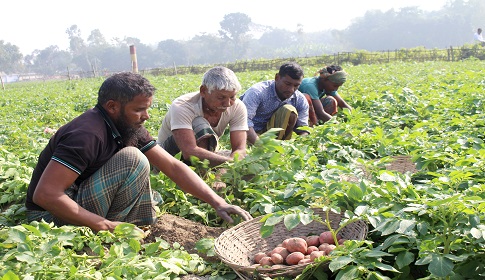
pixel 224 212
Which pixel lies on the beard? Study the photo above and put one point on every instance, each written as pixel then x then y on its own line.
pixel 129 133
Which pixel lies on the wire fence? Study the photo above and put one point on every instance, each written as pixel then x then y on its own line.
pixel 339 58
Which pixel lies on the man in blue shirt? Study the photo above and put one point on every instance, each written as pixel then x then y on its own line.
pixel 277 104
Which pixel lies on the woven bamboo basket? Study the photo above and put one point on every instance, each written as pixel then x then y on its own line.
pixel 237 246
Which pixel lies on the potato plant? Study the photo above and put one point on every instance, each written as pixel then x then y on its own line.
pixel 423 225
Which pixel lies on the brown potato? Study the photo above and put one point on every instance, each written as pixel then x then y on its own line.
pixel 313 240
pixel 285 242
pixel 294 258
pixel 297 244
pixel 316 254
pixel 259 256
pixel 310 249
pixel 326 237
pixel 280 250
pixel 266 261
pixel 327 248
pixel 277 258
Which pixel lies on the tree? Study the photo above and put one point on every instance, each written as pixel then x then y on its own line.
pixel 235 28
pixel 173 52
pixel 76 43
pixel 96 39
pixel 10 58
pixel 50 61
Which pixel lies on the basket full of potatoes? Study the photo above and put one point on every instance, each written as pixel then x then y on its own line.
pixel 285 252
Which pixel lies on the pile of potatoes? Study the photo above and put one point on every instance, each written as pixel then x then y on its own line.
pixel 297 250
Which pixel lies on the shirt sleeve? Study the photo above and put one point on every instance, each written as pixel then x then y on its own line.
pixel 240 120
pixel 302 109
pixel 250 100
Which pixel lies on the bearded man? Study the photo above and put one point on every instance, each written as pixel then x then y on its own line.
pixel 95 170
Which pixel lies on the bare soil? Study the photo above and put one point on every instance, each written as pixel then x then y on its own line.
pixel 173 228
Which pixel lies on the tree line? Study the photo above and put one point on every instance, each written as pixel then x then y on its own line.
pixel 453 25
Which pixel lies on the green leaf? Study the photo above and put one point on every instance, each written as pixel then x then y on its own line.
pixel 440 266
pixel 134 245
pixel 152 248
pixel 375 254
pixel 10 275
pixel 16 236
pixel 404 259
pixel 32 229
pixel 26 257
pixel 355 193
pixel 350 272
pixel 291 221
pixel 385 267
pixel 206 246
pixel 273 219
pixel 266 231
pixel 339 262
pixel 306 218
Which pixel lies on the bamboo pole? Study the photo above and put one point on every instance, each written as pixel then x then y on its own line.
pixel 134 63
pixel 1 80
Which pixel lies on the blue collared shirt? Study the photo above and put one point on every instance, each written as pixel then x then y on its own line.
pixel 262 101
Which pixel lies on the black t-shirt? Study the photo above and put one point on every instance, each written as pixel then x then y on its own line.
pixel 83 145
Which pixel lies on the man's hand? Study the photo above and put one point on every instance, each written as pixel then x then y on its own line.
pixel 224 212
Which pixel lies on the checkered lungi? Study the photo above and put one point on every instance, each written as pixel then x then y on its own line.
pixel 118 191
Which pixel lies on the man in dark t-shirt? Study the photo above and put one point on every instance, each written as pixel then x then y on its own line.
pixel 95 170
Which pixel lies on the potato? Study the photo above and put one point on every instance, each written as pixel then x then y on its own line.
pixel 341 241
pixel 326 237
pixel 294 258
pixel 310 249
pixel 277 258
pixel 305 261
pixel 259 256
pixel 280 250
pixel 266 261
pixel 313 240
pixel 327 248
pixel 297 244
pixel 285 242
pixel 316 254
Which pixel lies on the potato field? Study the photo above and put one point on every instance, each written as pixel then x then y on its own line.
pixel 424 222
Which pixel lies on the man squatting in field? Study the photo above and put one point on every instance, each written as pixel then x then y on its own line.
pixel 95 170
pixel 195 121
pixel 277 104
pixel 321 93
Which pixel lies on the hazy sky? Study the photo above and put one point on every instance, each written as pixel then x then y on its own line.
pixel 34 24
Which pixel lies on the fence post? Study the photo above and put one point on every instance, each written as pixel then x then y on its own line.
pixel 174 68
pixel 452 54
pixel 134 63
pixel 1 80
